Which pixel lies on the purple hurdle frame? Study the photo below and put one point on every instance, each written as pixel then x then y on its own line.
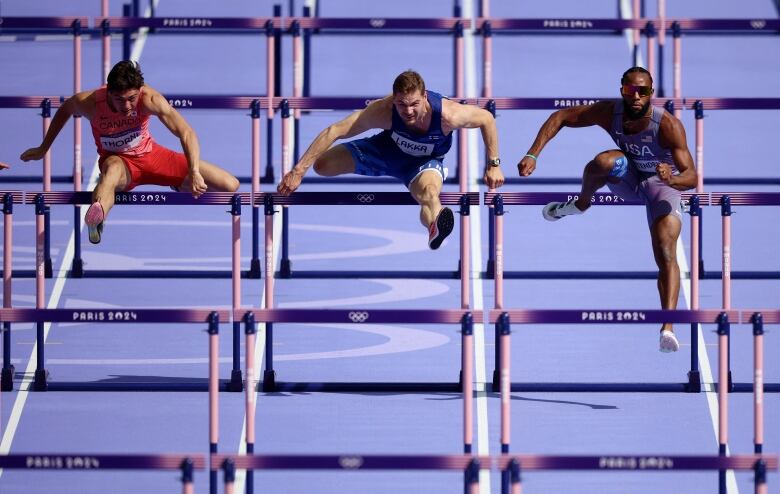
pixel 186 464
pixel 471 465
pixel 41 199
pixel 464 317
pixel 502 319
pixel 499 200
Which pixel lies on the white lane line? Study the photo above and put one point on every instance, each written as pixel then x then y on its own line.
pixel 482 436
pixel 709 390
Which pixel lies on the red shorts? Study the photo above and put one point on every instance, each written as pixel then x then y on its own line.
pixel 160 166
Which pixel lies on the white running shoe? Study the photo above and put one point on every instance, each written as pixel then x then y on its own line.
pixel 668 342
pixel 554 211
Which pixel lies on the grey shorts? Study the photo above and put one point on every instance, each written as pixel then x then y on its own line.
pixel 659 198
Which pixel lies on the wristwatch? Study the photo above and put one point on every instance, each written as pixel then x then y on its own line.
pixel 494 162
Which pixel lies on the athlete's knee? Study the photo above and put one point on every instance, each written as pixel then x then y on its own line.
pixel 609 164
pixel 231 183
pixel 323 166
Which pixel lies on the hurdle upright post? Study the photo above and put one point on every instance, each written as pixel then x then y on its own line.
pixel 723 393
pixel 213 331
pixel 77 264
pixel 694 376
pixel 490 268
pixel 250 394
pixel 661 44
pixel 698 107
pixel 498 203
pixel 7 376
pixel 725 212
pixel 236 383
pixel 271 88
pixel 650 32
pixel 106 40
pixel 487 60
pixel 229 469
pixel 187 471
pixel 40 295
pixel 758 382
pixel 504 331
pixel 46 114
pixel 465 252
pixel 285 267
pixel 467 380
pixel 514 476
pixel 677 64
pixel 254 267
pixel 269 375
pixel 458 64
pixel 760 477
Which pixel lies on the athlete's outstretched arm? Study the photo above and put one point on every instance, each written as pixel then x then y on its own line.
pixel 78 104
pixel 459 116
pixel 377 115
pixel 576 116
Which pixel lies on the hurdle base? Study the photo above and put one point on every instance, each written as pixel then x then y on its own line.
pixel 7 378
pixel 77 268
pixel 490 270
pixel 269 381
pixel 254 272
pixel 41 380
pixel 285 269
pixel 236 383
pixel 694 382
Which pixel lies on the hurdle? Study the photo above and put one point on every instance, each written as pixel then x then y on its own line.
pixel 138 198
pixel 88 462
pixel 511 465
pixel 371 198
pixel 125 316
pixel 679 27
pixel 465 383
pixel 70 25
pixel 214 26
pixel 723 319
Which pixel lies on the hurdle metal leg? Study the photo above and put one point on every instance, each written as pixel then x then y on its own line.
pixel 7 376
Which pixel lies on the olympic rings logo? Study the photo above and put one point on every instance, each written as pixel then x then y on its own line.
pixel 377 23
pixel 365 198
pixel 358 316
pixel 351 462
pixel 760 24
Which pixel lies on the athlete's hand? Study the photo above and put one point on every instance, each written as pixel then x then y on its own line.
pixel 665 172
pixel 494 177
pixel 3 166
pixel 33 154
pixel 197 183
pixel 526 166
pixel 290 182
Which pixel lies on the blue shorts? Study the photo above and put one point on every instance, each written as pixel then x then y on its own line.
pixel 378 156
